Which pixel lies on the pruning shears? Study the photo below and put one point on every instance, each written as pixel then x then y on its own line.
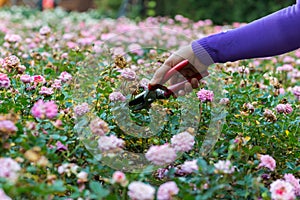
pixel 154 92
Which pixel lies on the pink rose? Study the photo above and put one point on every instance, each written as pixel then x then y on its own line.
pixel 38 79
pixel 282 190
pixel 44 110
pixel 119 177
pixel 205 95
pixel 268 162
pixel 4 81
pixel 26 78
pixel 167 191
pixel 161 155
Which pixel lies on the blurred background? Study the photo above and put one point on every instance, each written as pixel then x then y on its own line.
pixel 219 11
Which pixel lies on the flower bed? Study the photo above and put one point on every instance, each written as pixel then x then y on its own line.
pixel 66 131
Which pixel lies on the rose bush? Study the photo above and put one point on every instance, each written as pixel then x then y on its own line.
pixel 57 68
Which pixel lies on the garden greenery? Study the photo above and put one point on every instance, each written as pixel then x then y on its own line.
pixel 62 77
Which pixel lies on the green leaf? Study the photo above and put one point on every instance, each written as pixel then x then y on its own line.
pixel 255 150
pixel 202 164
pixel 58 186
pixel 63 138
pixel 97 188
pixel 211 191
pixel 55 136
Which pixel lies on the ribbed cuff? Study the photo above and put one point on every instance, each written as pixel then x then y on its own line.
pixel 201 50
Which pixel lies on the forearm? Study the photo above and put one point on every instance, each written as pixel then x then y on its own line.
pixel 269 36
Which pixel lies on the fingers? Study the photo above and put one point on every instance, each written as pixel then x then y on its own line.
pixel 194 83
pixel 188 87
pixel 181 93
pixel 177 78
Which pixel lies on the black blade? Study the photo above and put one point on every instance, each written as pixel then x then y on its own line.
pixel 139 99
pixel 138 102
pixel 144 100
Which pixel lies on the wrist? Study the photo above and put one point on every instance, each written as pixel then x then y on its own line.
pixel 201 53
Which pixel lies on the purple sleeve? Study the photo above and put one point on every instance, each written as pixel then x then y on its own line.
pixel 269 36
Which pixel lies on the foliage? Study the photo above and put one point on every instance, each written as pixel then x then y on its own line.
pixel 60 159
pixel 220 12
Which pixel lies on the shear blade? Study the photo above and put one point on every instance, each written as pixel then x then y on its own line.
pixel 139 102
pixel 144 100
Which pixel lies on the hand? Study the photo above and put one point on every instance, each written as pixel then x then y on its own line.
pixel 194 67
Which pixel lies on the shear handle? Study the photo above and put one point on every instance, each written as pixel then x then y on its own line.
pixel 179 86
pixel 174 70
pixel 169 74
